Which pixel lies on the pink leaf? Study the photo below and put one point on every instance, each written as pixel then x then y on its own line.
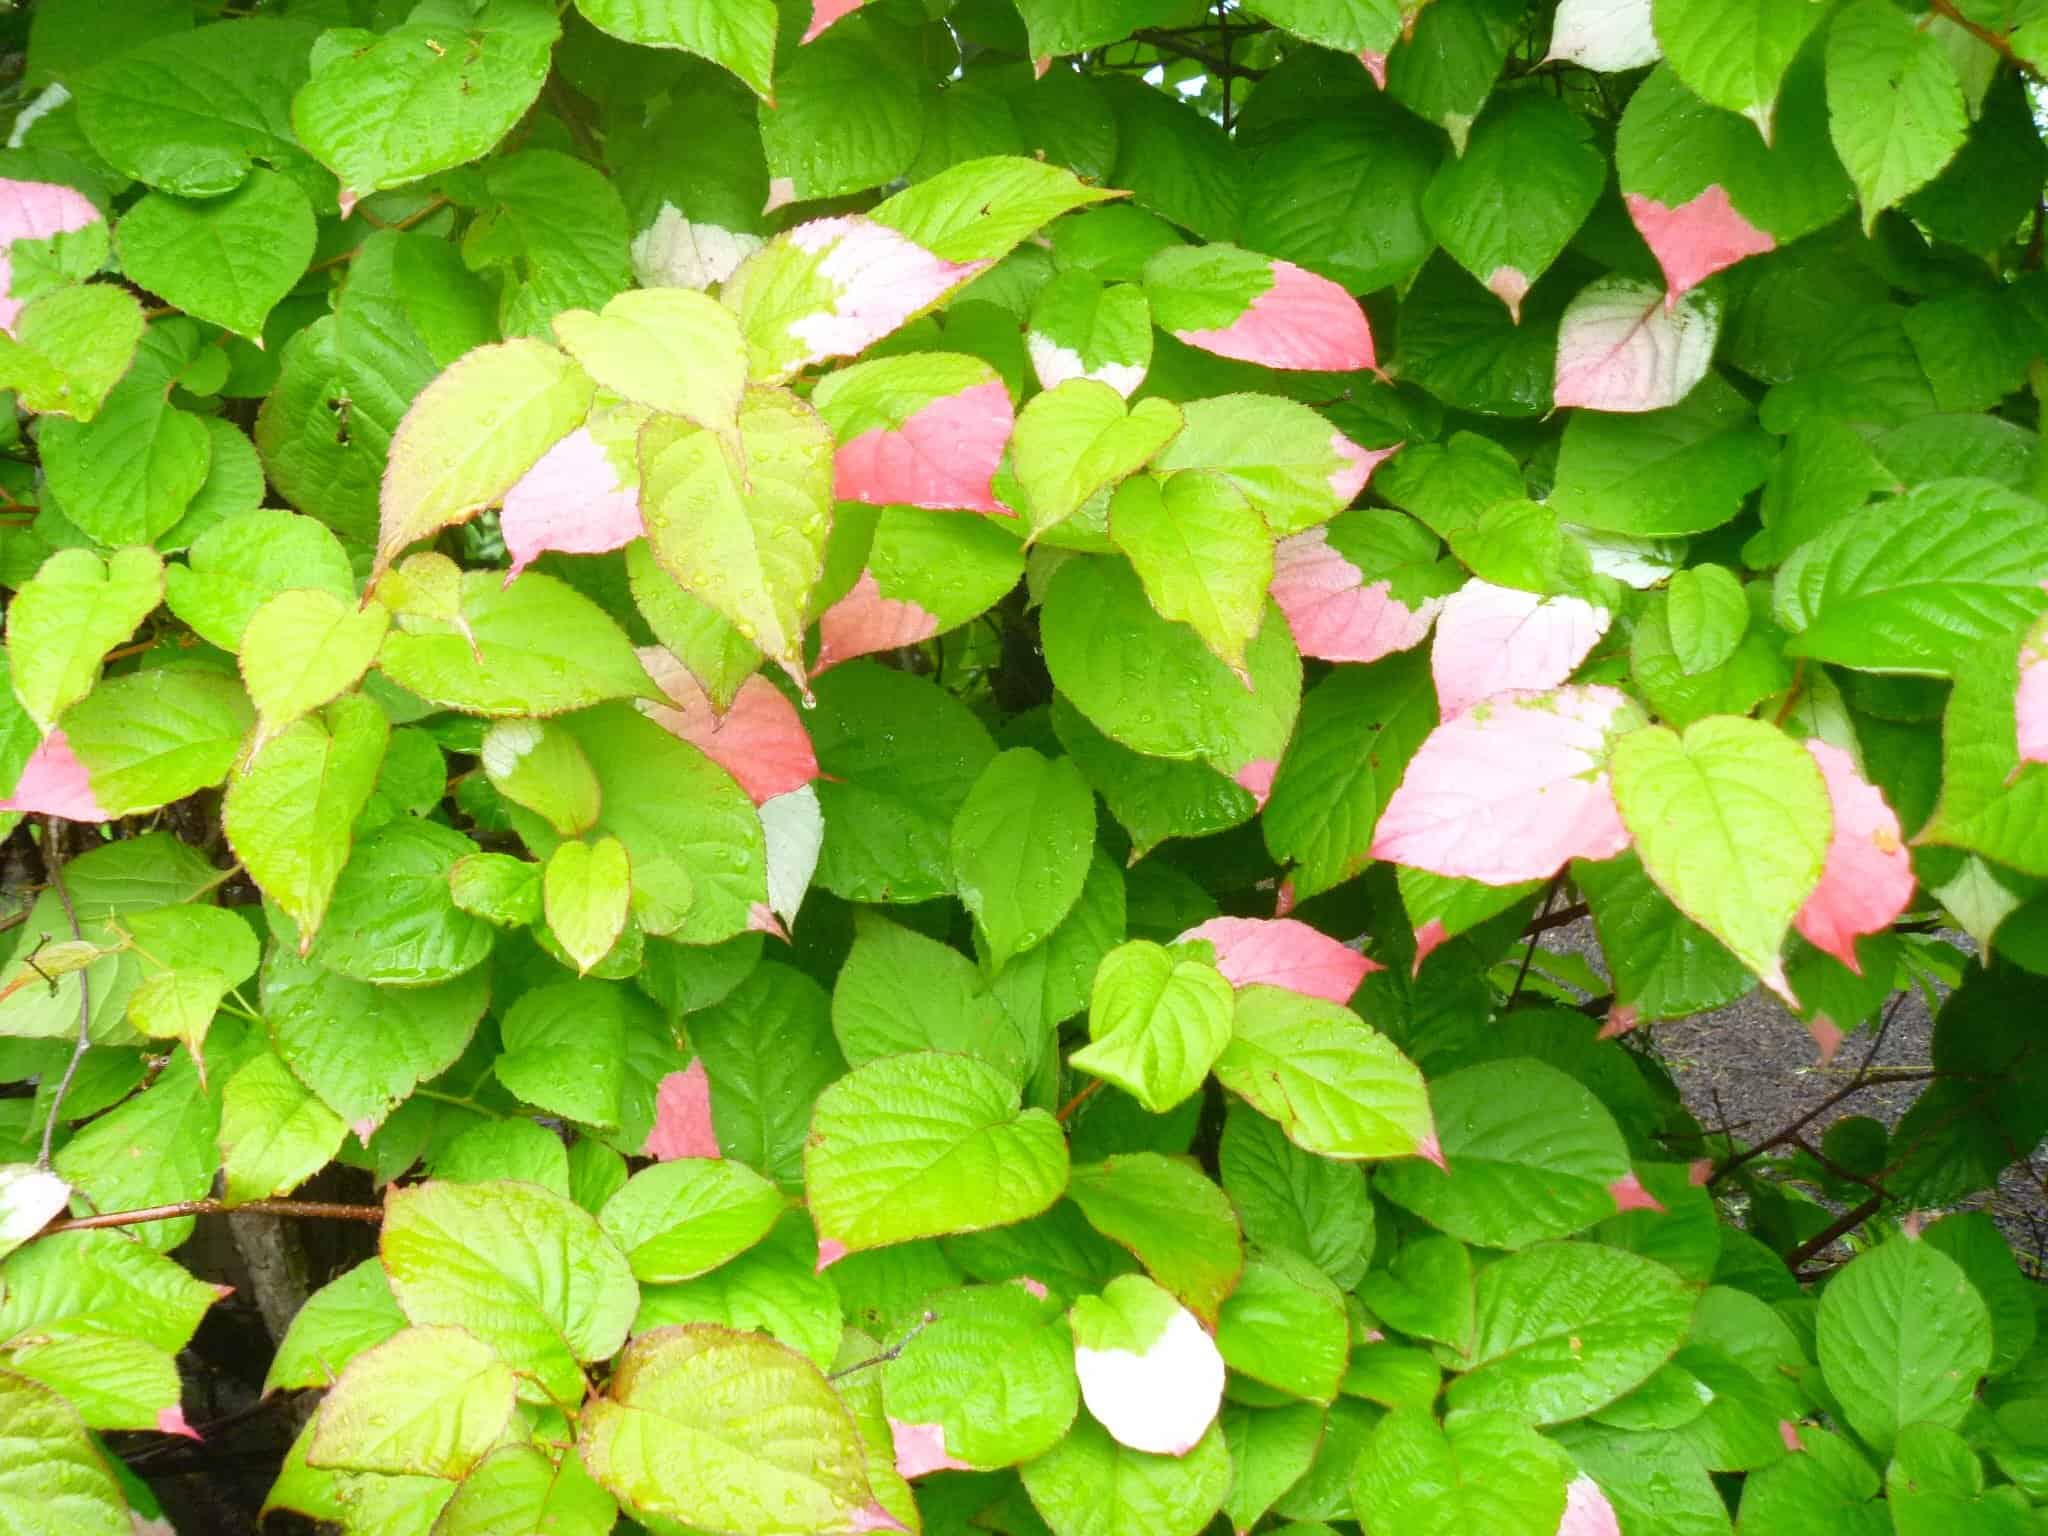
pixel 1587 1512
pixel 1510 285
pixel 1788 1432
pixel 1256 779
pixel 1431 1151
pixel 864 621
pixel 761 918
pixel 1302 321
pixel 942 457
pixel 921 1450
pixel 574 501
pixel 1162 1399
pixel 1280 952
pixel 1620 348
pixel 54 783
pixel 1350 477
pixel 825 12
pixel 781 193
pixel 682 1117
pixel 1333 614
pixel 830 1252
pixel 1621 1018
pixel 1376 66
pixel 1827 1038
pixel 1699 1172
pixel 1035 1288
pixel 171 1421
pixel 2030 705
pixel 34 210
pixel 1696 239
pixel 1427 938
pixel 1490 639
pixel 1511 790
pixel 880 280
pixel 760 741
pixel 1867 879
pixel 1629 1194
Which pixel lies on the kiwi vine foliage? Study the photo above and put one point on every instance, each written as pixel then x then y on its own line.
pixel 859 718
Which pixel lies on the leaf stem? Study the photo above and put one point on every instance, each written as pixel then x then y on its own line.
pixel 318 1210
pixel 1087 1093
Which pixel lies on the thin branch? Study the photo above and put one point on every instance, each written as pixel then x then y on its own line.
pixel 1996 42
pixel 53 858
pixel 1563 917
pixel 1208 58
pixel 316 1210
pixel 1534 930
pixel 1848 1221
pixel 1087 1093
pixel 888 1354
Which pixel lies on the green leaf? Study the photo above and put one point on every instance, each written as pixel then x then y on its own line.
pixel 773 1288
pixel 304 647
pixel 1973 1240
pixel 543 768
pixel 698 635
pixel 227 260
pixel 1348 26
pixel 1336 1087
pixel 1828 1486
pixel 897 757
pixel 1482 1471
pixel 1271 1450
pixel 919 1145
pixel 1077 439
pixel 1172 1219
pixel 991 1376
pixel 1175 162
pixel 556 231
pixel 979 210
pixel 712 1428
pixel 1895 105
pixel 1072 26
pixel 590 1051
pixel 426 1401
pixel 1527 1153
pixel 670 349
pixel 74 610
pixel 1459 343
pixel 743 527
pixel 1505 208
pixel 1566 1328
pixel 1734 53
pixel 899 991
pixel 51 1476
pixel 737 34
pixel 1203 555
pixel 585 893
pixel 70 347
pixel 1664 965
pixel 472 433
pixel 521 1268
pixel 537 647
pixel 1662 473
pixel 244 561
pixel 681 1219
pixel 186 112
pixel 517 1486
pixel 1449 59
pixel 1082 328
pixel 1285 1326
pixel 1292 465
pixel 1021 846
pixel 1902 1338
pixel 392 921
pixel 155 1149
pixel 1153 798
pixel 112 1380
pixel 351 1313
pixel 1917 584
pixel 1288 1198
pixel 148 738
pixel 848 114
pixel 362 1048
pixel 103 1281
pixel 1733 822
pixel 1706 617
pixel 1088 1485
pixel 426 96
pixel 1301 205
pixel 287 814
pixel 1182 702
pixel 1359 727
pixel 1157 1022
pixel 274 1134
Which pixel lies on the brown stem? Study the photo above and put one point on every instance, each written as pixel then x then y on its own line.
pixel 1068 1108
pixel 317 1210
pixel 1846 1222
pixel 1563 917
pixel 1996 42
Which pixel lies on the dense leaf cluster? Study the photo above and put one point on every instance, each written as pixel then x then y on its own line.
pixel 878 704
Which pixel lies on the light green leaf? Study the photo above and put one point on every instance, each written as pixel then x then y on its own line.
pixel 1527 1154
pixel 1293 466
pixel 1173 1220
pixel 497 887
pixel 148 738
pixel 1482 1471
pixel 1288 1198
pixel 1082 328
pixel 74 610
pixel 426 96
pixel 1203 555
pixel 899 991
pixel 1348 26
pixel 105 1281
pixel 1285 1326
pixel 1021 847
pixel 1156 1022
pixel 1271 1450
pixel 227 260
pixel 521 1268
pixel 287 814
pixel 1902 1338
pixel 1088 1485
pixel 1895 106
pixel 392 921
pixel 585 893
pixel 590 1051
pixel 737 34
pixel 1732 821
pixel 991 1376
pixel 773 1288
pixel 543 768
pixel 517 1487
pixel 244 561
pixel 1681 470
pixel 112 1380
pixel 1336 1087
pixel 304 647
pixel 721 1430
pixel 744 528
pixel 471 434
pixel 671 349
pixel 427 1401
pixel 979 209
pixel 1734 53
pixel 51 1477
pixel 537 647
pixel 924 1144
pixel 154 1149
pixel 70 347
pixel 1079 438
pixel 680 1219
pixel 1707 617
pixel 698 635
pixel 274 1133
